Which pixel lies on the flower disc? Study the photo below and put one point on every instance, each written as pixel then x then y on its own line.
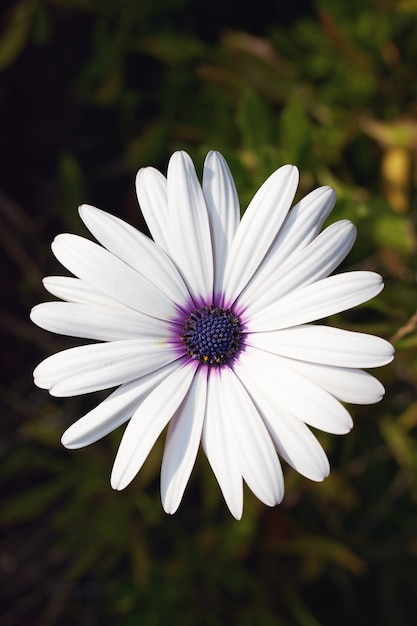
pixel 212 335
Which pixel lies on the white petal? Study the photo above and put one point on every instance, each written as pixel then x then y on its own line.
pixel 148 422
pixel 296 444
pixel 94 321
pixel 110 275
pixel 313 302
pixel 314 262
pixel 182 442
pixel 114 411
pixel 137 251
pixel 346 384
pixel 190 231
pixel 220 445
pixel 292 438
pixel 301 226
pixel 327 345
pixel 259 463
pixel 258 228
pixel 223 211
pixel 151 189
pixel 99 366
pixel 76 290
pixel 292 392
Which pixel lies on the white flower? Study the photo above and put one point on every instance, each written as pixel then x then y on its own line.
pixel 207 329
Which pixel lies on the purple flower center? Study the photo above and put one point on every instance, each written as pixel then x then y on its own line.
pixel 212 335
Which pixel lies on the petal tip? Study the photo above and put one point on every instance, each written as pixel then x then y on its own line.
pixel 170 507
pixel 139 174
pixel 87 210
pixel 69 442
pixel 180 157
pixel 120 477
pixel 73 438
pixel 116 482
pixel 294 171
pixel 327 190
pixel 33 313
pixel 289 170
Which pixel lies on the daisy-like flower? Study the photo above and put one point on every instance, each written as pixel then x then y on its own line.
pixel 207 330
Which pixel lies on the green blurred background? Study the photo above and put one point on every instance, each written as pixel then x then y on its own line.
pixel 91 90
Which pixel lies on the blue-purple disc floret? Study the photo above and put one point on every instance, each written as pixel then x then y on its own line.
pixel 212 335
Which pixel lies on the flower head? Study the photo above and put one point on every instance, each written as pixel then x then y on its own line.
pixel 208 330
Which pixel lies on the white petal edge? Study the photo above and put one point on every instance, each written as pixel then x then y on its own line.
pixel 294 441
pixel 137 251
pixel 105 272
pixel 94 321
pixel 220 446
pixel 326 345
pixel 297 445
pixel 294 393
pixel 114 411
pixel 223 211
pixel 190 230
pixel 259 462
pixel 258 228
pixel 148 422
pixel 182 443
pixel 151 190
pixel 346 384
pixel 301 226
pixel 89 368
pixel 75 290
pixel 315 262
pixel 326 297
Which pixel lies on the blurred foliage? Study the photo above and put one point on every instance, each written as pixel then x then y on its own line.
pixel 90 91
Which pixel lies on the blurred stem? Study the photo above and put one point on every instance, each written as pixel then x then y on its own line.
pixel 406 329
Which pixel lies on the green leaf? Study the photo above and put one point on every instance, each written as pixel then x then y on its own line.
pixel 401 444
pixel 324 548
pixel 146 148
pixel 16 33
pixel 33 502
pixel 396 232
pixel 255 122
pixel 71 179
pixel 294 127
